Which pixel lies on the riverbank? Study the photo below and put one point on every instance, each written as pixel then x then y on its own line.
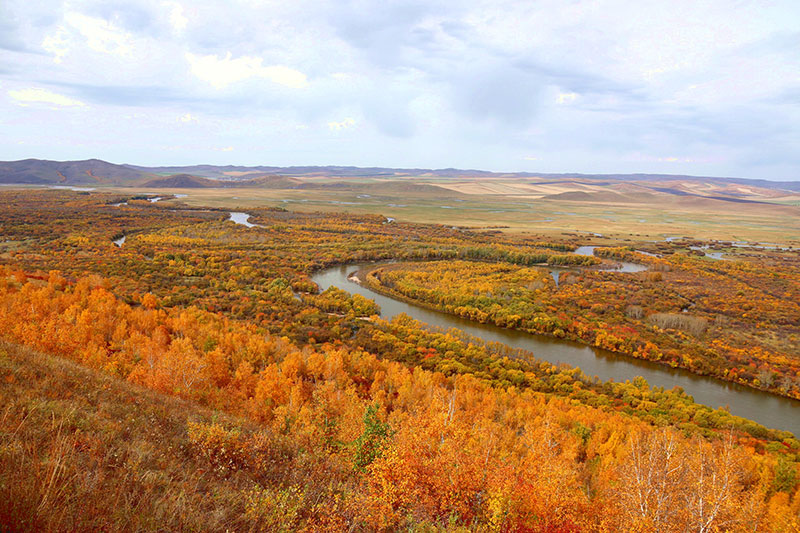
pixel 767 409
pixel 642 343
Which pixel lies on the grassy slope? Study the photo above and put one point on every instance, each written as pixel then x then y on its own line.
pixel 80 451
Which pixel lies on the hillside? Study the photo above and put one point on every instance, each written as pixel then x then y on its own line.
pixel 181 181
pixel 187 181
pixel 89 172
pixel 97 172
pixel 83 451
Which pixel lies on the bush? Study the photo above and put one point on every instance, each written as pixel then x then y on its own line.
pixel 690 324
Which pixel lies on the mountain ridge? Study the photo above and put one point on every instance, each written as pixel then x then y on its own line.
pixel 98 172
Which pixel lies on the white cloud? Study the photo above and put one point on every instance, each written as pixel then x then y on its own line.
pixel 43 96
pixel 673 159
pixel 188 117
pixel 176 16
pixel 530 158
pixel 57 43
pixel 101 35
pixel 343 125
pixel 566 98
pixel 222 72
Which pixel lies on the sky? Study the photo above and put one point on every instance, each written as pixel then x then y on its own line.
pixel 680 87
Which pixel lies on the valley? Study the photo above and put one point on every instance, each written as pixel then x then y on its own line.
pixel 243 307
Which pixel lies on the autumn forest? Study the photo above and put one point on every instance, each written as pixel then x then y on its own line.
pixel 165 367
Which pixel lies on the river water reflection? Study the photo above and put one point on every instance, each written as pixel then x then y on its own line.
pixel 242 219
pixel 767 409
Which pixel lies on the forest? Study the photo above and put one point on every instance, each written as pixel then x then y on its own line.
pixel 736 320
pixel 290 408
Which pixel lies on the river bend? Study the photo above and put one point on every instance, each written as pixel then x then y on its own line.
pixel 767 409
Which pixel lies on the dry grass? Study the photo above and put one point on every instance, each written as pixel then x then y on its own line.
pixel 520 207
pixel 80 451
pixel 690 324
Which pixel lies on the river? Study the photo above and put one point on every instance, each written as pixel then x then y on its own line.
pixel 767 409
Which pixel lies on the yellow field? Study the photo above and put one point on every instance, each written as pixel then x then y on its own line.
pixel 619 215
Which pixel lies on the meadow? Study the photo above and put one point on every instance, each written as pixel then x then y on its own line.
pixel 629 218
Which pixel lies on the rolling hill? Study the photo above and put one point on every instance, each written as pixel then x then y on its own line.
pixel 88 172
pixel 188 181
pixel 96 172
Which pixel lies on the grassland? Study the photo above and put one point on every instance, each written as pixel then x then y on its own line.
pixel 604 220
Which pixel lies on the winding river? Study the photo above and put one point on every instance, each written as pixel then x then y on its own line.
pixel 766 409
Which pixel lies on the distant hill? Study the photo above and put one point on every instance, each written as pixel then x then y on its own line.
pixel 181 181
pixel 97 172
pixel 188 181
pixel 382 187
pixel 264 182
pixel 607 196
pixel 89 172
pixel 766 184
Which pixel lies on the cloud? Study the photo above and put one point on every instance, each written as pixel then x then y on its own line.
pixel 585 85
pixel 101 35
pixel 97 33
pixel 10 38
pixel 152 96
pixel 343 125
pixel 499 92
pixel 43 96
pixel 566 98
pixel 57 44
pixel 176 16
pixel 222 72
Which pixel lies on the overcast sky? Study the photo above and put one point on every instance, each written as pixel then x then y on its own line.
pixel 696 87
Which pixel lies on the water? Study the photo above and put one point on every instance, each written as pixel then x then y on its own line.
pixel 555 273
pixel 242 218
pixel 624 266
pixel 119 242
pixel 72 188
pixel 764 246
pixel 711 255
pixel 648 253
pixel 767 409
